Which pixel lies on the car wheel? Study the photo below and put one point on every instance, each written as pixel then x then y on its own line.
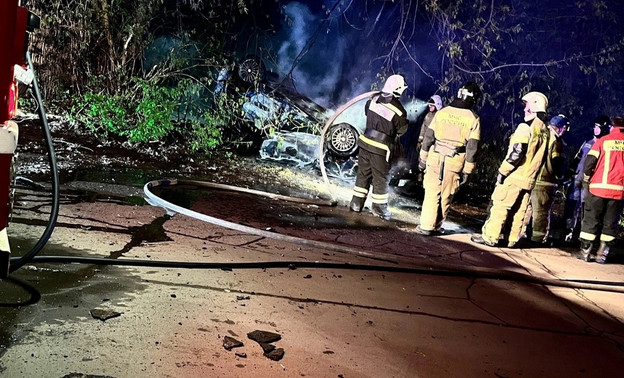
pixel 251 69
pixel 342 140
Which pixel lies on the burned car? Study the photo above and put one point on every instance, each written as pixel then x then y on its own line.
pixel 290 122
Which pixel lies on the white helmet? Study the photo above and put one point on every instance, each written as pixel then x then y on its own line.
pixel 436 101
pixel 537 101
pixel 395 84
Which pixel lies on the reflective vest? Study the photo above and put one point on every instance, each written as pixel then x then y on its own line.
pixel 607 180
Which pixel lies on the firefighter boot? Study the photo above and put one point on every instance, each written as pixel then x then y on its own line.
pixel 603 252
pixel 356 204
pixel 381 210
pixel 585 252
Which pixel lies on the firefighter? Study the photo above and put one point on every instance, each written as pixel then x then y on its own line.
pixel 434 104
pixel 517 174
pixel 551 173
pixel 574 205
pixel 386 119
pixel 603 178
pixel 448 155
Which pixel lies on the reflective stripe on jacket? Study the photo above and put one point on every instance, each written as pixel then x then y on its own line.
pixel 607 179
pixel 449 134
pixel 385 116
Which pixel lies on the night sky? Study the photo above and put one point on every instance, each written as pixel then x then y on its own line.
pixel 571 51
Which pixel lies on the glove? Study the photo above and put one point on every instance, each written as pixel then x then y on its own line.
pixel 463 178
pixel 500 178
pixel 422 165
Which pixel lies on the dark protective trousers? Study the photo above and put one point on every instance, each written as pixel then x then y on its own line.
pixel 600 217
pixel 373 168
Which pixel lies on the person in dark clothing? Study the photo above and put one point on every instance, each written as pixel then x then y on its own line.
pixel 603 179
pixel 386 119
pixel 574 203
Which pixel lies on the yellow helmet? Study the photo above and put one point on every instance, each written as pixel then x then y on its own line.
pixel 537 101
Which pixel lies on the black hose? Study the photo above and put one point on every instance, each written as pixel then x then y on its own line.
pixel 430 269
pixel 16 263
pixel 447 270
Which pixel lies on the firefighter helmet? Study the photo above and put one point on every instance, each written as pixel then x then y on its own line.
pixel 604 123
pixel 536 101
pixel 395 84
pixel 436 101
pixel 470 90
pixel 560 121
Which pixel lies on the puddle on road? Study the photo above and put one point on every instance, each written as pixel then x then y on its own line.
pixel 60 292
pixel 81 287
pixel 259 210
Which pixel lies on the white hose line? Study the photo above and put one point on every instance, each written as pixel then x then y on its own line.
pixel 430 266
pixel 207 184
pixel 329 122
pixel 157 201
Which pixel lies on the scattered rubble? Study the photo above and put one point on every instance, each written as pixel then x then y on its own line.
pixel 276 354
pixel 264 336
pixel 103 314
pixel 266 347
pixel 230 343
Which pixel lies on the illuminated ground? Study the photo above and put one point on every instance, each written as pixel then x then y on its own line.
pixel 333 322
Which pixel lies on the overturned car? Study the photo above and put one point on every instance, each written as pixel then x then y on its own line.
pixel 291 123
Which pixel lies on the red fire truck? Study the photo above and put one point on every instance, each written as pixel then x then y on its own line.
pixel 15 21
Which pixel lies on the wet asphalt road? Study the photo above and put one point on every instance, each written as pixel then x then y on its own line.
pixel 333 322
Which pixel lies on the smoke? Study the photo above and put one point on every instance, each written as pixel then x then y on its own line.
pixel 338 56
pixel 318 71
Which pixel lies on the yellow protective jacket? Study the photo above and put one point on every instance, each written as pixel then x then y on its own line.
pixel 452 138
pixel 523 172
pixel 550 172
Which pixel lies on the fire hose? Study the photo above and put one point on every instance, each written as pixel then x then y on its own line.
pixel 426 267
pixel 16 263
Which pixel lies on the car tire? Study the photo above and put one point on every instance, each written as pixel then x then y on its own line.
pixel 342 140
pixel 251 69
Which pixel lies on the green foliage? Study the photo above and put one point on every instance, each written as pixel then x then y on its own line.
pixel 101 113
pixel 141 113
pixel 153 110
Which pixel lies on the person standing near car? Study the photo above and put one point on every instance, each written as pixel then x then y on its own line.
pixel 603 178
pixel 548 179
pixel 574 205
pixel 434 104
pixel 448 156
pixel 517 174
pixel 386 119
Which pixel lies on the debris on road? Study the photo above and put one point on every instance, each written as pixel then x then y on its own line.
pixel 230 343
pixel 104 315
pixel 264 336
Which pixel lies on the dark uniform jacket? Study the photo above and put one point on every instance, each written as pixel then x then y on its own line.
pixel 386 119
